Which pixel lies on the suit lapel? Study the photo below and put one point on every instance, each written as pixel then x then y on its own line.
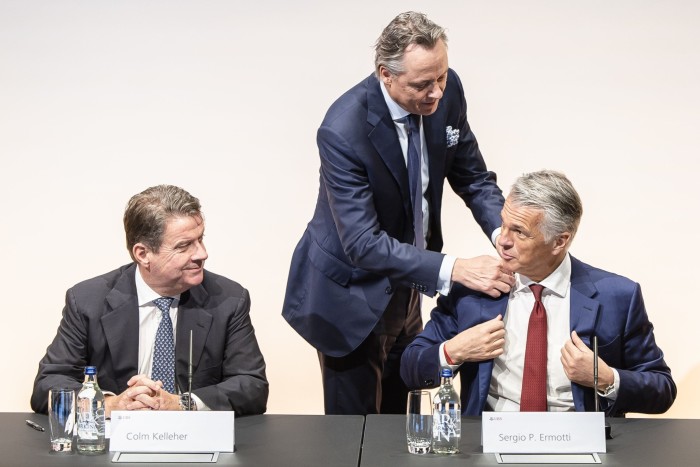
pixel 490 308
pixel 385 140
pixel 583 317
pixel 583 308
pixel 435 140
pixel 191 316
pixel 120 325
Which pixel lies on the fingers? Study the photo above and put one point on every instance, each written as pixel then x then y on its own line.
pixel 485 274
pixel 145 401
pixel 580 345
pixel 494 324
pixel 137 380
pixel 143 380
pixel 481 342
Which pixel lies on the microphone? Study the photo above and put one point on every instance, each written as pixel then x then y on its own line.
pixel 189 376
pixel 608 428
pixel 595 372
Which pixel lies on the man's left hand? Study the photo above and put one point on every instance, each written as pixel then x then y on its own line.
pixel 577 359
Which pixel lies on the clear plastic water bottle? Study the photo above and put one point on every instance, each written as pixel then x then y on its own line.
pixel 91 415
pixel 447 416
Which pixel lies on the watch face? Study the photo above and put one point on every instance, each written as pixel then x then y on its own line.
pixel 186 402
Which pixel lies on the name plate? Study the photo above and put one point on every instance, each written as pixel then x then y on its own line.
pixel 543 432
pixel 154 431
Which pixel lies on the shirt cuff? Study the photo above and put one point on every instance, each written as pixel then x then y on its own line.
pixel 444 282
pixel 443 360
pixel 200 404
pixel 495 234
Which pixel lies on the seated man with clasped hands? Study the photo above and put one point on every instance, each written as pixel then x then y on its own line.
pixel 531 350
pixel 134 323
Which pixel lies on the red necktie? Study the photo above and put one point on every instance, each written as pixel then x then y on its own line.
pixel 534 392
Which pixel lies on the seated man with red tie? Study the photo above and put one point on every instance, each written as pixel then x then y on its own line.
pixel 531 350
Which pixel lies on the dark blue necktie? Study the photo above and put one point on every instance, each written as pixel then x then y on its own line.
pixel 164 350
pixel 415 179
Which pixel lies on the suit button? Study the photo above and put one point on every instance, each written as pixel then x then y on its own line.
pixel 388 290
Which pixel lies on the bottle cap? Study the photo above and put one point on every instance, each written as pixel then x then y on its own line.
pixel 90 370
pixel 446 373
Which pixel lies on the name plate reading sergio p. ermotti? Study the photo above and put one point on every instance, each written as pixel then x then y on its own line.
pixel 543 432
pixel 176 431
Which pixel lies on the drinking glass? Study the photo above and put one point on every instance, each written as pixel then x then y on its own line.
pixel 61 419
pixel 419 422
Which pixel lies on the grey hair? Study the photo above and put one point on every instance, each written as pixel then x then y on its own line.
pixel 406 29
pixel 553 194
pixel 147 213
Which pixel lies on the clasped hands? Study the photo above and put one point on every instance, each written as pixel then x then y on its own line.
pixel 487 340
pixel 142 394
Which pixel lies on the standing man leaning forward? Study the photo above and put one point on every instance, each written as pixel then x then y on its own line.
pixel 134 323
pixel 356 274
pixel 540 219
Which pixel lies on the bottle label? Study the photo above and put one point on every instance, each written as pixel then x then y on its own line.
pixel 445 427
pixel 87 427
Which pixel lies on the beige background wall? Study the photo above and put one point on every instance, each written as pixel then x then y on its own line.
pixel 101 99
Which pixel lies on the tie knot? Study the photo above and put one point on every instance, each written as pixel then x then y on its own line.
pixel 163 303
pixel 412 122
pixel 537 291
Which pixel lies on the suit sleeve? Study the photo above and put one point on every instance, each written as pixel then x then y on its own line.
pixel 351 201
pixel 646 385
pixel 64 362
pixel 469 177
pixel 243 387
pixel 420 362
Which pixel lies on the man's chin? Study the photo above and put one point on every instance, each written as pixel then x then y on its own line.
pixel 428 109
pixel 194 276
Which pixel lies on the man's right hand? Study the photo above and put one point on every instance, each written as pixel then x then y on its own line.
pixel 484 274
pixel 478 343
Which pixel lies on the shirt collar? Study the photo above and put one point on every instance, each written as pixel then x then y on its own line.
pixel 557 282
pixel 397 112
pixel 145 294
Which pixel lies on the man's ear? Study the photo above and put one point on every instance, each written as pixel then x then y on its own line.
pixel 385 75
pixel 561 242
pixel 141 254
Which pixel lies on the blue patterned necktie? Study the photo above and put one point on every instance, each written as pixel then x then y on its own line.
pixel 415 179
pixel 164 350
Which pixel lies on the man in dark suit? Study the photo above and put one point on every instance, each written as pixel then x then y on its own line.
pixel 488 339
pixel 134 323
pixel 374 241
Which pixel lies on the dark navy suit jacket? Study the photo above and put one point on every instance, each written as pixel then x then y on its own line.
pixel 358 246
pixel 100 327
pixel 602 304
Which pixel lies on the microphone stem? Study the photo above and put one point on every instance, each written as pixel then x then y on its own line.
pixel 595 371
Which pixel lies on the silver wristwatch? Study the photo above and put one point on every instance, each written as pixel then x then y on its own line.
pixel 187 402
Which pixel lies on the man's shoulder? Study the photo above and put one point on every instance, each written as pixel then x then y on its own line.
pixel 352 103
pixel 104 281
pixel 603 279
pixel 216 284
